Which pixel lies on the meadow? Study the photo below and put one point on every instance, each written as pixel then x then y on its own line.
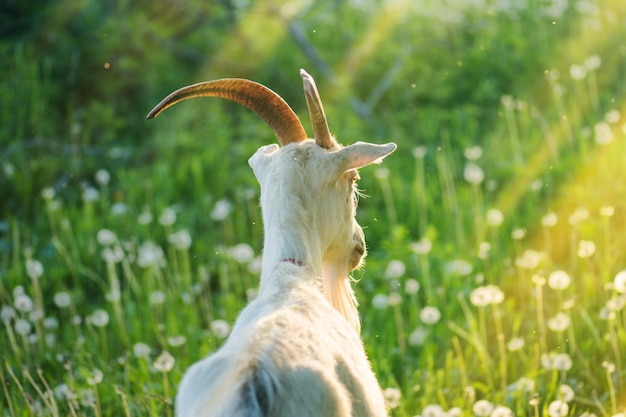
pixel 495 283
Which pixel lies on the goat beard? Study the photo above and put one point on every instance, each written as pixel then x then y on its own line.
pixel 338 291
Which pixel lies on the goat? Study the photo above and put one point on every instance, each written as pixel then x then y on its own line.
pixel 295 350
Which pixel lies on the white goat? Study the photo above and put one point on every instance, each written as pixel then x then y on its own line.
pixel 295 350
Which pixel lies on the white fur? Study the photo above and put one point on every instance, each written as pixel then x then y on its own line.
pixel 296 350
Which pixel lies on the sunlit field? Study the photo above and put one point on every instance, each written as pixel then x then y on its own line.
pixel 495 284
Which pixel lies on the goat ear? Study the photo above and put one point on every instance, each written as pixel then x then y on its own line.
pixel 259 160
pixel 361 154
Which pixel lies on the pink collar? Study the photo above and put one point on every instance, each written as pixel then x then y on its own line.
pixel 293 261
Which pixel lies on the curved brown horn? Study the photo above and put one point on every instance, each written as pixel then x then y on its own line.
pixel 316 112
pixel 258 98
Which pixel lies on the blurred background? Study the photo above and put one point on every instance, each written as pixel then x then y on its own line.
pixel 508 115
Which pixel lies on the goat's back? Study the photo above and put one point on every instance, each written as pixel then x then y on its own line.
pixel 290 354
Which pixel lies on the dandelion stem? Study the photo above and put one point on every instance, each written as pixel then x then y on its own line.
pixel 6 394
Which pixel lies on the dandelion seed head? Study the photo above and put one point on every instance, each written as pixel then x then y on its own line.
pixel 559 280
pixel 164 362
pixel 559 323
pixel 394 299
pixel 484 248
pixel 593 62
pixel 607 211
pixel 411 286
pixel 95 377
pixel 525 384
pixel 380 301
pixel 7 313
pixel 23 303
pixel 103 177
pixel 90 195
pixel 579 215
pixel 48 193
pixel 141 350
pixel 479 297
pixel 418 336
pixel 619 283
pixel 549 220
pixel 482 408
pixel 577 72
pixel 538 280
pixel 433 410
pixel 255 266
pixel 558 408
pixel 612 116
pixel 518 233
pixel 62 299
pixel 144 218
pixel 566 393
pixel 241 253
pixel 34 268
pixel 176 341
pixel 113 255
pixel 494 217
pixel 22 327
pixel 392 397
pixel 119 208
pixel 530 259
pixel 458 267
pixel 419 152
pixel 586 248
pixel 99 318
pixel 473 174
pixel 167 217
pixel 106 237
pixel 603 134
pixel 616 303
pixel 515 344
pixel 157 297
pixel 150 254
pixel 430 315
pixel 381 173
pixel 422 246
pixel 221 210
pixel 220 328
pixel 395 269
pixel 181 240
pixel 473 153
pixel 35 314
pixel 501 411
pixel 609 366
pixel 86 397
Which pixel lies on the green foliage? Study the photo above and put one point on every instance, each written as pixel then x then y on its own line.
pixel 122 239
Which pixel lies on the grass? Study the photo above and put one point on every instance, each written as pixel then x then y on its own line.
pixel 495 283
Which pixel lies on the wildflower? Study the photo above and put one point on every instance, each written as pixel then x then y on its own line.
pixel 419 152
pixel 51 323
pixel 619 283
pixel 558 408
pixel 106 237
pixel 473 173
pixel 381 173
pixel 577 72
pixel 87 397
pixel 99 318
pixel 380 301
pixel 530 259
pixel 613 116
pixel 144 218
pixel 220 328
pixel 430 315
pixel 479 297
pixel 501 411
pixel 181 240
pixel 119 208
pixel 103 177
pixel 515 344
pixel 459 267
pixel 538 280
pixel 23 303
pixel 167 217
pixel 62 299
pixel 433 410
pixel 47 193
pixel 566 393
pixel 483 250
pixel 392 397
pixel 165 362
pixel 34 269
pixel 395 269
pixel 255 266
pixel 559 323
pixel 482 408
pixel 453 412
pixel 411 286
pixel 593 62
pixel 579 215
pixel 418 336
pixel 525 384
pixel 96 377
pixel 7 313
pixel 518 234
pixel 242 253
pixel 394 299
pixel 610 367
pixel 112 255
pixel 157 297
pixel 559 280
pixel 603 134
pixel 616 303
pixel 141 350
pixel 22 327
pixel 549 220
pixel 607 211
pixel 176 340
pixel 90 195
pixel 422 246
pixel 63 392
pixel 221 210
pixel 35 314
pixel 473 153
pixel 494 217
pixel 556 361
pixel 586 248
pixel 150 254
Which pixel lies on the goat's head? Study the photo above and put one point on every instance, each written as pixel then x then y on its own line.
pixel 308 186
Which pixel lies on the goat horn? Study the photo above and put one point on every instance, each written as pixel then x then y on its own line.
pixel 264 102
pixel 316 112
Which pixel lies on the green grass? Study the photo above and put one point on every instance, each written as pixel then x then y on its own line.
pixel 493 284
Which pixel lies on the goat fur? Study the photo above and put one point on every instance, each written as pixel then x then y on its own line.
pixel 295 350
